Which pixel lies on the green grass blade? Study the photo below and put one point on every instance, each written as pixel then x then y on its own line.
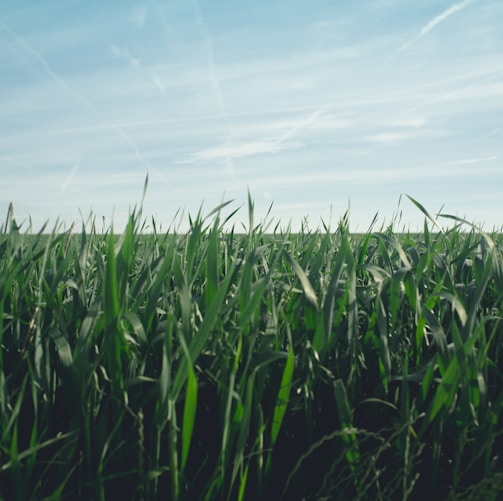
pixel 307 288
pixel 345 417
pixel 426 213
pixel 190 406
pixel 283 396
pixel 204 331
pixel 115 344
pixel 212 265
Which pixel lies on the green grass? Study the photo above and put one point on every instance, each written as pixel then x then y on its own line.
pixel 265 365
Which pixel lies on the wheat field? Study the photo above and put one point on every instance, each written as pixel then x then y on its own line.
pixel 261 364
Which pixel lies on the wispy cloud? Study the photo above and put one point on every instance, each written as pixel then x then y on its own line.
pixel 318 120
pixel 476 160
pixel 123 53
pixel 413 123
pixel 254 146
pixel 435 21
pixel 389 137
pixel 138 16
pixel 241 150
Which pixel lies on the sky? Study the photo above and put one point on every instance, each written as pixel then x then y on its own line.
pixel 314 106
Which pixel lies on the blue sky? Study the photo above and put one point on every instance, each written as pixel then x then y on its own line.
pixel 315 106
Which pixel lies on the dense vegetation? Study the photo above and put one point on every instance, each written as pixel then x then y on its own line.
pixel 264 365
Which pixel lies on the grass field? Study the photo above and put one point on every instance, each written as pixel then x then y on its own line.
pixel 264 365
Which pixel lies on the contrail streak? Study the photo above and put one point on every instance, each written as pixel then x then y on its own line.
pixel 43 62
pixel 18 163
pixel 308 121
pixel 139 155
pixel 52 74
pixel 214 80
pixel 436 20
pixel 70 177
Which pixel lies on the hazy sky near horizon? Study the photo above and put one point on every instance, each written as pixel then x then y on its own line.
pixel 313 105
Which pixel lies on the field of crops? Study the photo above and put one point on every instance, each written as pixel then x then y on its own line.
pixel 263 365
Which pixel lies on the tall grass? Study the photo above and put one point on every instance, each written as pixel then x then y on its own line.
pixel 261 365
